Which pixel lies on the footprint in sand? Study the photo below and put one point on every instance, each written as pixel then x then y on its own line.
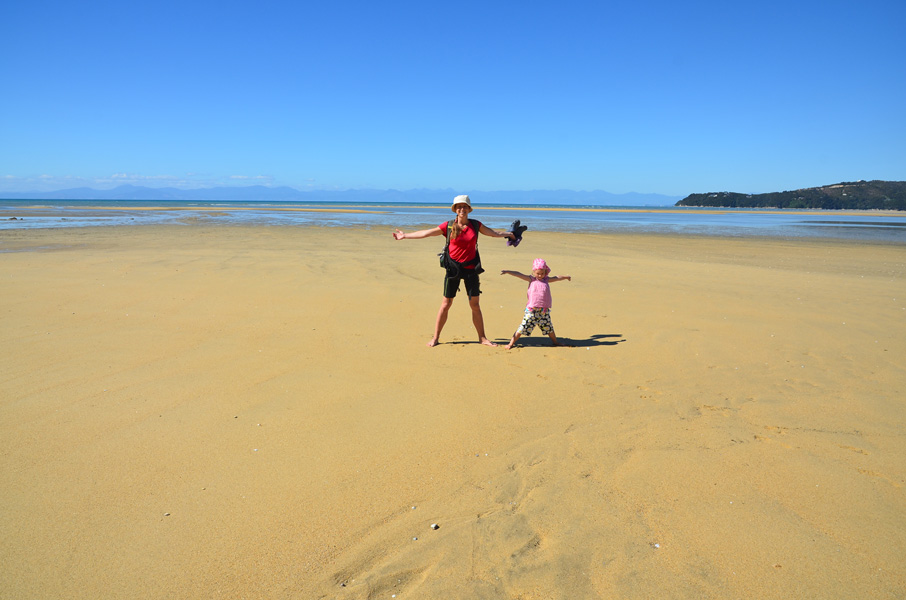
pixel 722 410
pixel 648 392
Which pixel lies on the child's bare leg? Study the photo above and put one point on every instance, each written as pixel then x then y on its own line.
pixel 445 305
pixel 513 341
pixel 554 339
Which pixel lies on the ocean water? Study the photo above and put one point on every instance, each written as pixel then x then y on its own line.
pixel 858 225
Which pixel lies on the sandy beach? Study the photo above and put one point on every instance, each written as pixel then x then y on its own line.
pixel 252 412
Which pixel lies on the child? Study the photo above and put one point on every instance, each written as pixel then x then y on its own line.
pixel 538 308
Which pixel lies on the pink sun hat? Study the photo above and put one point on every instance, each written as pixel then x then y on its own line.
pixel 539 264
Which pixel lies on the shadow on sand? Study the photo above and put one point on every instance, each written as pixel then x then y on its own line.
pixel 598 339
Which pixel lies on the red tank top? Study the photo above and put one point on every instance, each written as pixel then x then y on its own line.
pixel 464 247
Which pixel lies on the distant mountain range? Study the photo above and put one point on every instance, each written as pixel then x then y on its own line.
pixel 858 195
pixel 288 194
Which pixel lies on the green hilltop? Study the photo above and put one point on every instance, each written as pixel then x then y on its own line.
pixel 857 195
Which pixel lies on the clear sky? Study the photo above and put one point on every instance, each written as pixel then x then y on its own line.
pixel 633 96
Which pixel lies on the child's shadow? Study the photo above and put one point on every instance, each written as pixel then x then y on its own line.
pixel 598 339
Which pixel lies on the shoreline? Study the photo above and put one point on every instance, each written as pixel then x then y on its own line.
pixel 11 239
pixel 871 226
pixel 251 411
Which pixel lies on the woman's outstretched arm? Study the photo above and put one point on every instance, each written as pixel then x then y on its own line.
pixel 498 234
pixel 417 235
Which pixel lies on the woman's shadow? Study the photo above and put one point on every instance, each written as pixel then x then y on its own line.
pixel 598 339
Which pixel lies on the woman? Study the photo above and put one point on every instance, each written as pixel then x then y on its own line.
pixel 463 239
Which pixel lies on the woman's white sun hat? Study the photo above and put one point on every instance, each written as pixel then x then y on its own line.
pixel 461 199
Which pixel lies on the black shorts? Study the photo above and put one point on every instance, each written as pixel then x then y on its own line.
pixel 451 284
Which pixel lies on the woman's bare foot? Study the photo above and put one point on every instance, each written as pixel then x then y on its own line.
pixel 433 342
pixel 487 342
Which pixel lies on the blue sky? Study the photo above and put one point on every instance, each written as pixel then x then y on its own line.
pixel 653 97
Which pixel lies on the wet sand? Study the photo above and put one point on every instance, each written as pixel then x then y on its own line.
pixel 226 411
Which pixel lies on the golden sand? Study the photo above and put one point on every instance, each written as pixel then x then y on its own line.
pixel 251 412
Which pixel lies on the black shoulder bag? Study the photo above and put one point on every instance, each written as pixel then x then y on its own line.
pixel 444 256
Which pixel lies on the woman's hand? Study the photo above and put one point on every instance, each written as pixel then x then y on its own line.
pixel 399 235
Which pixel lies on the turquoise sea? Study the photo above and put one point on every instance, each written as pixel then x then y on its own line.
pixel 858 225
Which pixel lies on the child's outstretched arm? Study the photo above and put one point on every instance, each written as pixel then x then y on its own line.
pixel 559 278
pixel 521 276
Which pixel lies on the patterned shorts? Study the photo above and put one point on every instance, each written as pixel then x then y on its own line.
pixel 536 316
